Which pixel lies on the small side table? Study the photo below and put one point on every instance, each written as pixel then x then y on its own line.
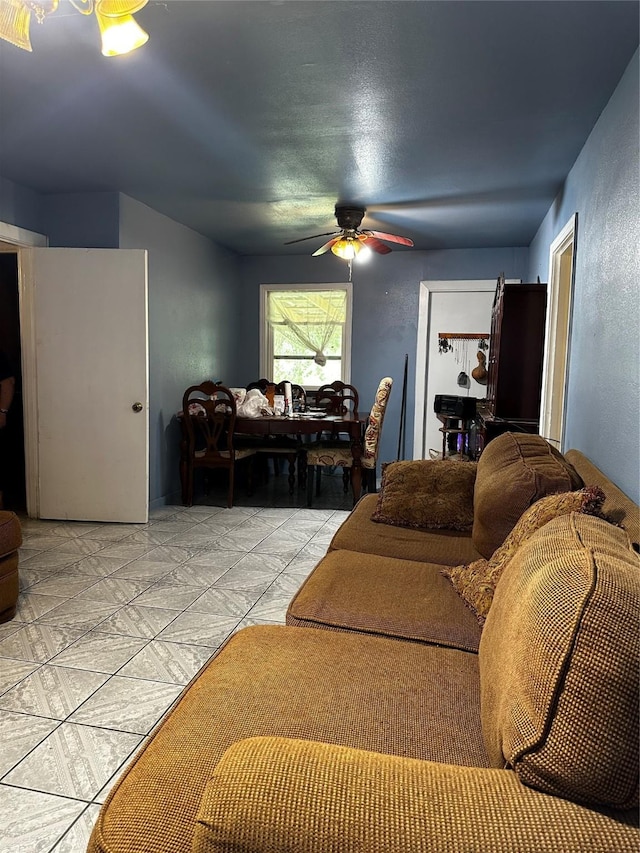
pixel 461 430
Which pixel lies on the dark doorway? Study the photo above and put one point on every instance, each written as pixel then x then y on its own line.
pixel 12 475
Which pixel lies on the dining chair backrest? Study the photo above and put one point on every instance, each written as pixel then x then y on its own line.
pixel 260 384
pixel 337 397
pixel 374 426
pixel 209 414
pixel 297 392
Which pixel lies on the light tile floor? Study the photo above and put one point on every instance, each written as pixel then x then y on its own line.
pixel 113 620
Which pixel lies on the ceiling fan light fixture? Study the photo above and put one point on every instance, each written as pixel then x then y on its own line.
pixel 350 241
pixel 15 18
pixel 346 247
pixel 120 34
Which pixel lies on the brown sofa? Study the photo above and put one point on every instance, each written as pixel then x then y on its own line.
pixel 10 541
pixel 401 725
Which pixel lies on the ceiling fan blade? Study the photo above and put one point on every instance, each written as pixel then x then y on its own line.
pixel 325 248
pixel 392 238
pixel 313 237
pixel 375 244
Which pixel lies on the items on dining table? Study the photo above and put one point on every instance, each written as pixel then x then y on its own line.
pixel 299 399
pixel 288 401
pixel 270 395
pixel 254 405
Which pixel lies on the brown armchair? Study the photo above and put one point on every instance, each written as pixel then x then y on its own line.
pixel 10 541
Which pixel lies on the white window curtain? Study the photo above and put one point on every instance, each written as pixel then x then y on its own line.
pixel 308 317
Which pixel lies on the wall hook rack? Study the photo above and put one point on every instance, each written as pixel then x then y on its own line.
pixel 445 338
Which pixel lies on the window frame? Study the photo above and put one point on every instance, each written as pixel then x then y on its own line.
pixel 266 333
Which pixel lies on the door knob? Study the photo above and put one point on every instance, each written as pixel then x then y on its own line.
pixel 137 407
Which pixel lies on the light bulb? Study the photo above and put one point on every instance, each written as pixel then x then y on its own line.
pixel 120 35
pixel 365 254
pixel 346 248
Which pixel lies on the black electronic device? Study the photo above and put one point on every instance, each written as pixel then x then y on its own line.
pixel 455 407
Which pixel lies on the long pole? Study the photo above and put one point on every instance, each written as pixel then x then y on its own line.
pixel 403 407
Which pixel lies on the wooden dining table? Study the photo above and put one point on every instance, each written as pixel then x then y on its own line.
pixel 301 424
pixel 308 423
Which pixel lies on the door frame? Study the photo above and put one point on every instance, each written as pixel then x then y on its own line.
pixel 555 366
pixel 25 239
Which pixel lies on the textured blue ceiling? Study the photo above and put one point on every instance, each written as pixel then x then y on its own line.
pixel 454 123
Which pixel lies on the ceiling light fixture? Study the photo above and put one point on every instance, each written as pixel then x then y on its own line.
pixel 347 247
pixel 120 32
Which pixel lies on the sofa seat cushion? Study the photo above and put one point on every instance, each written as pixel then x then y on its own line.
pixel 348 689
pixel 383 595
pixel 10 533
pixel 427 494
pixel 559 663
pixel 359 533
pixel 514 471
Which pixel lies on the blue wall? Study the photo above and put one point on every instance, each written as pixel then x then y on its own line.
pixel 87 220
pixel 20 206
pixel 194 296
pixel 385 314
pixel 603 404
pixel 193 325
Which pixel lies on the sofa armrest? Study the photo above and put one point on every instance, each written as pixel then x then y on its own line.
pixel 296 796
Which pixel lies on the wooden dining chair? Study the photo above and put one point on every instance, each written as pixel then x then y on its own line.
pixel 337 398
pixel 339 454
pixel 297 393
pixel 260 384
pixel 277 446
pixel 208 422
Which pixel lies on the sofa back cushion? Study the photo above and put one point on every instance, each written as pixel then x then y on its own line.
pixel 476 581
pixel 558 664
pixel 514 471
pixel 617 507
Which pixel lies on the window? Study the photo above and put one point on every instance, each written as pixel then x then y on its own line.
pixel 306 333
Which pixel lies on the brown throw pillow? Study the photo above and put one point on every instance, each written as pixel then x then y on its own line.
pixel 427 494
pixel 476 582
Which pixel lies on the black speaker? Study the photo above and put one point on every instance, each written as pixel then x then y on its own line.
pixel 455 407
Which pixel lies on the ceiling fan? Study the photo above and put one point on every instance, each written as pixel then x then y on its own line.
pixel 351 239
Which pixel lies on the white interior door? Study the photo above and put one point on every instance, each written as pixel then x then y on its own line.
pixel 85 313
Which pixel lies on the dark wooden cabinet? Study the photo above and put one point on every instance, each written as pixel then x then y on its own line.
pixel 516 351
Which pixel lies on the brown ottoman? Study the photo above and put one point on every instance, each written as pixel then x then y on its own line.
pixel 10 541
